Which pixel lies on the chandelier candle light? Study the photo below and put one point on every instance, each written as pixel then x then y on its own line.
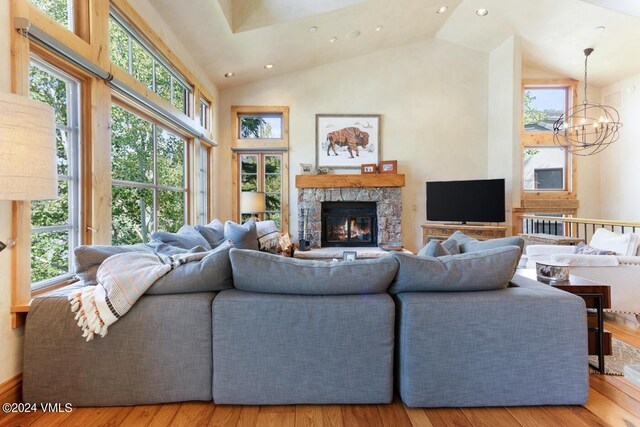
pixel 588 128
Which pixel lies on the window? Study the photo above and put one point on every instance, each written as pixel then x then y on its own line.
pixel 544 168
pixel 205 114
pixel 263 172
pixel 260 126
pixel 55 224
pixel 148 165
pixel 60 11
pixel 203 192
pixel 132 53
pixel 542 106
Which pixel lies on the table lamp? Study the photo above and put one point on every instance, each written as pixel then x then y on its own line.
pixel 252 202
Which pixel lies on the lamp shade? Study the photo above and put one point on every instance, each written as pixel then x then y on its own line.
pixel 27 149
pixel 252 202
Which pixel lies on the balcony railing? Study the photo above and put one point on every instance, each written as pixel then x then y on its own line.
pixel 581 228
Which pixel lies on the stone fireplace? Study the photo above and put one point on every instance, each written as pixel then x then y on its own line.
pixel 384 190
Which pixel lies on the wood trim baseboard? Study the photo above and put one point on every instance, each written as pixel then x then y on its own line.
pixel 11 390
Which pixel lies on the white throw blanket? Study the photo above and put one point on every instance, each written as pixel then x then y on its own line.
pixel 122 280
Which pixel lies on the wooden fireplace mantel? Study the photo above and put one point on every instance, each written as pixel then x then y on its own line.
pixel 356 180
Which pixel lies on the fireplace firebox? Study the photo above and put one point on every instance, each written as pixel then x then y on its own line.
pixel 349 224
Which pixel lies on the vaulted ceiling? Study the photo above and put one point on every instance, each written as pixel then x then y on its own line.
pixel 242 36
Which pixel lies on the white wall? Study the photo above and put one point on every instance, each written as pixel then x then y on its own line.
pixel 10 339
pixel 620 170
pixel 432 96
pixel 503 145
pixel 588 176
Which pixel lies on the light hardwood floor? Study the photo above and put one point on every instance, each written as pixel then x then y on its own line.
pixel 612 401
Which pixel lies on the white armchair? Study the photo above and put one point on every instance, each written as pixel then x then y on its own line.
pixel 621 272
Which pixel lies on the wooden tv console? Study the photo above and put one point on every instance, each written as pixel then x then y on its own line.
pixel 437 231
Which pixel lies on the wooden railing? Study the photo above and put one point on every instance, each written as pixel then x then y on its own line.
pixel 582 228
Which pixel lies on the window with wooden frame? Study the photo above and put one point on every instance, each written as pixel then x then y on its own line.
pixel 262 172
pixel 131 52
pixel 205 114
pixel 149 166
pixel 71 14
pixel 548 171
pixel 204 178
pixel 55 224
pixel 261 160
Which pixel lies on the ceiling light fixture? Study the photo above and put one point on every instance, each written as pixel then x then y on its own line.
pixel 601 28
pixel 313 29
pixel 353 34
pixel 333 39
pixel 482 12
pixel 268 66
pixel 588 128
pixel 442 9
pixel 229 75
pixel 379 28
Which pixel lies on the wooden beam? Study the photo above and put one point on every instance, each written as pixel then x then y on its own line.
pixel 354 181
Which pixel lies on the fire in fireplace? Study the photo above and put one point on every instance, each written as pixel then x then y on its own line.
pixel 349 224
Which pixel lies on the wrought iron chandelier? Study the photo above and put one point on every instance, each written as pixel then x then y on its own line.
pixel 588 128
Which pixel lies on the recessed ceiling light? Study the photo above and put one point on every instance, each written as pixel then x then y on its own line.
pixel 229 75
pixel 442 9
pixel 601 28
pixel 268 66
pixel 353 34
pixel 379 28
pixel 482 12
pixel 333 39
pixel 313 29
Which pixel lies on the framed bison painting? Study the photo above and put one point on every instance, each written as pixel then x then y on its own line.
pixel 347 141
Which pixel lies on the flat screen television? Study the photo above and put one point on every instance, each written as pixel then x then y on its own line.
pixel 480 200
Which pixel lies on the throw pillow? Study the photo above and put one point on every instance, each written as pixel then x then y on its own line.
pixel 212 232
pixel 268 236
pixel 186 238
pixel 476 271
pixel 469 244
pixel 621 244
pixel 87 258
pixel 267 273
pixel 585 249
pixel 242 236
pixel 451 245
pixel 212 273
pixel 433 249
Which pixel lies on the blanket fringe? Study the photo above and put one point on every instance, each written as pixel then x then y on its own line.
pixel 83 303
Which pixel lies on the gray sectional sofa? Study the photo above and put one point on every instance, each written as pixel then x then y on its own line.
pixel 293 331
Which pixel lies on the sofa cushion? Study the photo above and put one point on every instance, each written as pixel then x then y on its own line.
pixel 212 232
pixel 621 244
pixel 186 238
pixel 243 236
pixel 211 273
pixel 433 249
pixel 476 271
pixel 469 244
pixel 267 273
pixel 268 236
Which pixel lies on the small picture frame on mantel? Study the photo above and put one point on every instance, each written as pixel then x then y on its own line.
pixel 349 256
pixel 369 168
pixel 388 166
pixel 306 168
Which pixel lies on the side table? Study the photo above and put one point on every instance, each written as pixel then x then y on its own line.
pixel 597 296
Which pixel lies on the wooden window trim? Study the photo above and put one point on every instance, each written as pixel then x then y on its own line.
pixel 545 139
pixel 262 146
